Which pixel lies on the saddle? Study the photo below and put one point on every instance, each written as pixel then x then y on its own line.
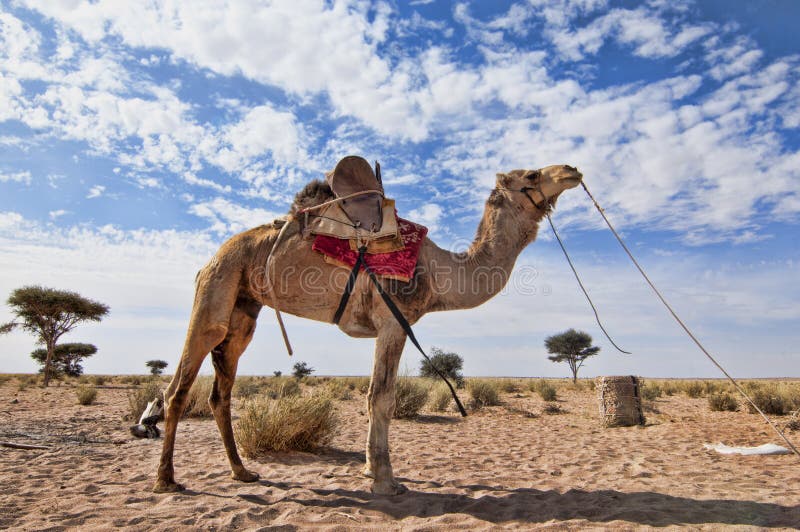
pixel 354 175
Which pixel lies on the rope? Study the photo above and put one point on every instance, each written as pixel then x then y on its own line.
pixel 685 328
pixel 577 277
pixel 340 199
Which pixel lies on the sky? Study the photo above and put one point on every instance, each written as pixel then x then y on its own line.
pixel 136 137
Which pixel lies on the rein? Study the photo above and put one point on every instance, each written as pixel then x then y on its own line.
pixel 733 381
pixel 546 209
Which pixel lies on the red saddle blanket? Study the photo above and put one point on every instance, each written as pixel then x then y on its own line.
pixel 398 264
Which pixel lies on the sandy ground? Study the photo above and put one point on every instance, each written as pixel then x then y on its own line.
pixel 494 469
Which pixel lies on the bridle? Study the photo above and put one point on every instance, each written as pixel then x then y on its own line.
pixel 524 190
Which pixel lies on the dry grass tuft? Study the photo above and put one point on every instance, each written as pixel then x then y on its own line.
pixel 86 394
pixel 197 398
pixel 411 394
pixel 340 390
pixel 138 399
pixel 440 397
pixel 277 387
pixel 483 392
pixel 545 389
pixel 723 402
pixel 247 386
pixel 773 399
pixel 289 423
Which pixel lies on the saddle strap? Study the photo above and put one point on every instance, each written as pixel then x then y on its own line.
pixel 351 283
pixel 348 289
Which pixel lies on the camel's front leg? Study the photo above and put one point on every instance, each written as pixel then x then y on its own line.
pixel 381 402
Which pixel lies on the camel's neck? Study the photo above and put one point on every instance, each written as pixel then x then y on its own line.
pixel 468 279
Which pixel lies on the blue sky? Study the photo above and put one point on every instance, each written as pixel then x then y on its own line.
pixel 136 137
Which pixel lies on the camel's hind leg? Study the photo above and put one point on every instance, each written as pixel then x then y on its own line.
pixel 213 305
pixel 226 358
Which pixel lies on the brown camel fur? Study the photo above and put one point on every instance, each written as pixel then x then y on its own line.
pixel 232 288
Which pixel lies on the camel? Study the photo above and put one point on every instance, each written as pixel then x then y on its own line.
pixel 233 287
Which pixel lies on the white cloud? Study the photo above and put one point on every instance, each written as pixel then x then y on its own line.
pixel 54 215
pixel 226 217
pixel 96 191
pixel 429 215
pixel 16 177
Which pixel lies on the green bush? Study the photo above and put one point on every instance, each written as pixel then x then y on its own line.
pixel 483 392
pixel 723 402
pixel 289 423
pixel 86 394
pixel 410 396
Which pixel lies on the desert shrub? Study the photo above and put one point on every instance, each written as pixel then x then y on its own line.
pixel 99 380
pixel 669 388
pixel 794 421
pixel 553 409
pixel 694 389
pixel 276 387
pixel 339 390
pixel 545 389
pixel 285 424
pixel 134 380
pixel 245 387
pixel 410 396
pixel 650 391
pixel 483 392
pixel 440 397
pixel 359 384
pixel 86 394
pixel 4 378
pixel 509 386
pixel 197 398
pixel 302 369
pixel 723 402
pixel 771 400
pixel 23 381
pixel 138 399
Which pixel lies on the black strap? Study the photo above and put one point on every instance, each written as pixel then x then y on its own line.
pixel 407 328
pixel 351 283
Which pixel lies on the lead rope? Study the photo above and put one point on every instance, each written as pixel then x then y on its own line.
pixel 685 328
pixel 578 278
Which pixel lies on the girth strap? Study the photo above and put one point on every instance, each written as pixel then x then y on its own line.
pixel 351 282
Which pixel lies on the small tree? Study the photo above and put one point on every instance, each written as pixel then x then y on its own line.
pixel 67 358
pixel 301 369
pixel 156 366
pixel 572 347
pixel 48 314
pixel 450 364
pixel 277 373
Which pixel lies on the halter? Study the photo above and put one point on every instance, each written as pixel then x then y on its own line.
pixel 524 190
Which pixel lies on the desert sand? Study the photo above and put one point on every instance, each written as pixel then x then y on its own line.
pixel 498 468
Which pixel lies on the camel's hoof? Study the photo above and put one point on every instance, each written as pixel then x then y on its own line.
pixel 367 472
pixel 389 488
pixel 246 476
pixel 167 487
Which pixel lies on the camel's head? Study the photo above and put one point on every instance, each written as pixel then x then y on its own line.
pixel 543 186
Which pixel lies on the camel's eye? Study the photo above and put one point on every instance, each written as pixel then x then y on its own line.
pixel 534 175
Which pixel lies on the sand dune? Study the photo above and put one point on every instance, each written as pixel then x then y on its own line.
pixel 495 469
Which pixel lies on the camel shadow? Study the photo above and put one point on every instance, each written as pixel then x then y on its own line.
pixel 536 506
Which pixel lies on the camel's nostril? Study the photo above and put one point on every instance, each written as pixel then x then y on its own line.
pixel 570 168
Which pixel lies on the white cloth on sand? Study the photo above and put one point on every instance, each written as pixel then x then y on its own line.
pixel 767 448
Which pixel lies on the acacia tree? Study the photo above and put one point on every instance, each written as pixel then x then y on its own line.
pixel 450 364
pixel 572 347
pixel 156 366
pixel 48 314
pixel 302 369
pixel 67 358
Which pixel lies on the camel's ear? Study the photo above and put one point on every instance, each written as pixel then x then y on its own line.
pixel 503 180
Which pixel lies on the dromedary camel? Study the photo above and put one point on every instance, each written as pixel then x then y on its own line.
pixel 231 290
